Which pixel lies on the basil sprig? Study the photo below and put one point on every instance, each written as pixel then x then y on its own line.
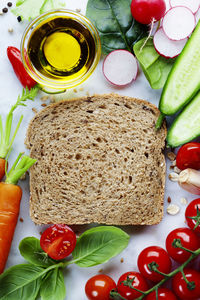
pixel 43 276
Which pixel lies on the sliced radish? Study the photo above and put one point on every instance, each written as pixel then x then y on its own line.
pixel 193 5
pixel 166 47
pixel 120 67
pixel 197 16
pixel 178 23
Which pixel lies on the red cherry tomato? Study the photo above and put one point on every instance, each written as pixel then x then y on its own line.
pixel 99 287
pixel 188 156
pixel 163 294
pixel 145 11
pixel 157 255
pixel 193 211
pixel 188 240
pixel 180 286
pixel 139 283
pixel 58 241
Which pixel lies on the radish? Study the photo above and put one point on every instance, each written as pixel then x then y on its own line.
pixel 191 4
pixel 120 67
pixel 197 16
pixel 166 47
pixel 178 23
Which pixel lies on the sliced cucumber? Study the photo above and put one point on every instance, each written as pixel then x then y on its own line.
pixel 184 79
pixel 186 126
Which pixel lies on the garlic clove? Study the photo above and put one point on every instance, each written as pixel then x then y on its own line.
pixel 189 180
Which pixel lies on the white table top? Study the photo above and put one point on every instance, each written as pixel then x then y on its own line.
pixel 141 237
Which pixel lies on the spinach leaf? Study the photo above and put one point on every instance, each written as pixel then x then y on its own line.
pixel 30 249
pixel 115 24
pixel 155 67
pixel 29 9
pixel 97 245
pixel 21 282
pixel 53 286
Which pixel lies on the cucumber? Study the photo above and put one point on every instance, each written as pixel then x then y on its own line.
pixel 186 126
pixel 183 81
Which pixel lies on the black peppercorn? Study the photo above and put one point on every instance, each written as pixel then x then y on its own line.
pixel 9 4
pixel 5 10
pixel 19 19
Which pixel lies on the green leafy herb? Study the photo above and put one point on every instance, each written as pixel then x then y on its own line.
pixel 98 245
pixel 29 9
pixel 155 67
pixel 53 286
pixel 44 275
pixel 115 24
pixel 30 249
pixel 23 281
pixel 20 282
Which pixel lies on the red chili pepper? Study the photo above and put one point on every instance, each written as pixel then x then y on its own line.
pixel 15 58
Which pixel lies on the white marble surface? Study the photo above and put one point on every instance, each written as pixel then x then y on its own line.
pixel 141 237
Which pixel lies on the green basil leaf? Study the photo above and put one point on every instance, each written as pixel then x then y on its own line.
pixel 115 24
pixel 30 249
pixel 97 245
pixel 53 286
pixel 29 9
pixel 155 67
pixel 21 282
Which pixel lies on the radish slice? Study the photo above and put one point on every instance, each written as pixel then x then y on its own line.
pixel 120 67
pixel 197 16
pixel 167 47
pixel 193 5
pixel 178 23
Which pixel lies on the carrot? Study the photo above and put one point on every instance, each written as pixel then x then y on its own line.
pixel 2 168
pixel 6 139
pixel 10 198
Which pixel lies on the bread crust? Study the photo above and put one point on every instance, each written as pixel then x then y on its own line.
pixel 32 143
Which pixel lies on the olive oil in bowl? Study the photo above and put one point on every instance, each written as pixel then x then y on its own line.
pixel 63 49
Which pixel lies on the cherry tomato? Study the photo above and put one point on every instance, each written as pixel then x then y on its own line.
pixel 58 241
pixel 139 283
pixel 180 286
pixel 145 11
pixel 188 156
pixel 98 287
pixel 163 294
pixel 193 211
pixel 157 255
pixel 188 240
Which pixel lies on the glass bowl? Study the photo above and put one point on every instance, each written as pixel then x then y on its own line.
pixel 51 81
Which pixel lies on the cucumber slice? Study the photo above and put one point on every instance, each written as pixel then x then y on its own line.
pixel 186 126
pixel 184 79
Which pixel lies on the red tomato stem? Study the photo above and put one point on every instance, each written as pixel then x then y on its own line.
pixel 190 284
pixel 177 244
pixel 196 218
pixel 129 282
pixel 154 267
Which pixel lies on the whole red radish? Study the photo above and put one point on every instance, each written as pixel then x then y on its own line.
pixel 147 11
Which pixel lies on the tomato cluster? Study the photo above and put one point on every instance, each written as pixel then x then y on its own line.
pixel 153 263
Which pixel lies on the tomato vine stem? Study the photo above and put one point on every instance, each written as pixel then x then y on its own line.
pixel 190 284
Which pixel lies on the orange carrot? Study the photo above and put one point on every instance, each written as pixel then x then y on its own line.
pixel 2 168
pixel 10 198
pixel 6 139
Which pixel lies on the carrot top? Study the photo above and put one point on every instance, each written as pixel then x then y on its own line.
pixel 6 139
pixel 19 168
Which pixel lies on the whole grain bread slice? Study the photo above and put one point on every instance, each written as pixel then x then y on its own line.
pixel 99 159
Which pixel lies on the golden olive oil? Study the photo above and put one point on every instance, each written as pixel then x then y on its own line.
pixel 61 48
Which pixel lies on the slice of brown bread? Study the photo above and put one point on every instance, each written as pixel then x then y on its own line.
pixel 99 159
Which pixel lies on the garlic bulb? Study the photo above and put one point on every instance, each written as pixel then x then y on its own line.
pixel 189 180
